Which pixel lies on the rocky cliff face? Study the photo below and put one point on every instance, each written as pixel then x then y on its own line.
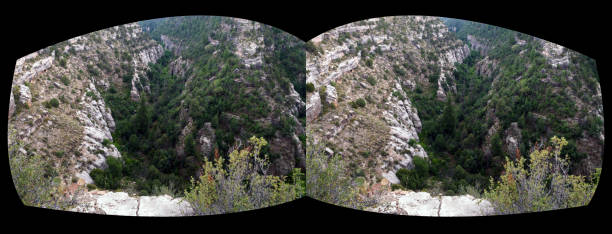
pixel 380 61
pixel 74 132
pixel 560 76
pixel 247 41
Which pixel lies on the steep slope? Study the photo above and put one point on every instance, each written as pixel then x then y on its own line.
pixel 160 100
pixel 538 89
pixel 58 110
pixel 362 73
pixel 241 78
pixel 459 95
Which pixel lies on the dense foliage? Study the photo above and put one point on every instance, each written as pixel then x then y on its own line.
pixel 455 132
pixel 240 185
pixel 541 183
pixel 215 88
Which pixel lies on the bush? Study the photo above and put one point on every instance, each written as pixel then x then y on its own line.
pixel 110 177
pixel 51 103
pixel 396 187
pixel 54 102
pixel 91 187
pixel 371 80
pixel 58 154
pixel 65 80
pixel 541 184
pixel 34 179
pixel 416 178
pixel 325 173
pixel 310 87
pixel 368 62
pixel 220 190
pixel 358 103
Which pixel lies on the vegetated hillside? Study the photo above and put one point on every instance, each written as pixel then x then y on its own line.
pixel 384 90
pixel 239 79
pixel 56 105
pixel 537 89
pixel 361 78
pixel 162 100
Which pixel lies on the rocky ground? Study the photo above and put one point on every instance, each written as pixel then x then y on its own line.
pixel 121 203
pixel 424 204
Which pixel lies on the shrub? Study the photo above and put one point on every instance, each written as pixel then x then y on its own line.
pixel 371 80
pixel 540 185
pixel 110 177
pixel 54 102
pixel 358 103
pixel 62 62
pixel 325 173
pixel 106 142
pixel 396 187
pixel 310 87
pixel 398 95
pixel 222 188
pixel 58 154
pixel 65 80
pixel 91 187
pixel 415 178
pixel 34 178
pixel 368 62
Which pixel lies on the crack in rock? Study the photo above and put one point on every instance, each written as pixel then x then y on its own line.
pixel 440 205
pixel 138 207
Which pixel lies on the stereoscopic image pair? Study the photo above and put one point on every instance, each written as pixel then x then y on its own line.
pixel 406 115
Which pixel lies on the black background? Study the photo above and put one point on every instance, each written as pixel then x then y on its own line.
pixel 29 27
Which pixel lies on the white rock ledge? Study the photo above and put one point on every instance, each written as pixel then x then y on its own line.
pixel 423 204
pixel 121 203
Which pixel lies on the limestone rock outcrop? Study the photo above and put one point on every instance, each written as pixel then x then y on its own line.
pixel 65 117
pixel 379 61
pixel 121 203
pixel 424 204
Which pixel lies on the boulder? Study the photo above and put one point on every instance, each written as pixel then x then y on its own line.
pixel 118 203
pixel 12 106
pixel 313 106
pixel 206 139
pixel 25 98
pixel 465 205
pixel 331 97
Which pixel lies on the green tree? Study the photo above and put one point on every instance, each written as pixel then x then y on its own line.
pixel 142 119
pixel 448 121
pixel 416 178
pixel 543 184
pixel 310 87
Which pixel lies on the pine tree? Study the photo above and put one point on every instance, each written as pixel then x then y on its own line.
pixel 448 120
